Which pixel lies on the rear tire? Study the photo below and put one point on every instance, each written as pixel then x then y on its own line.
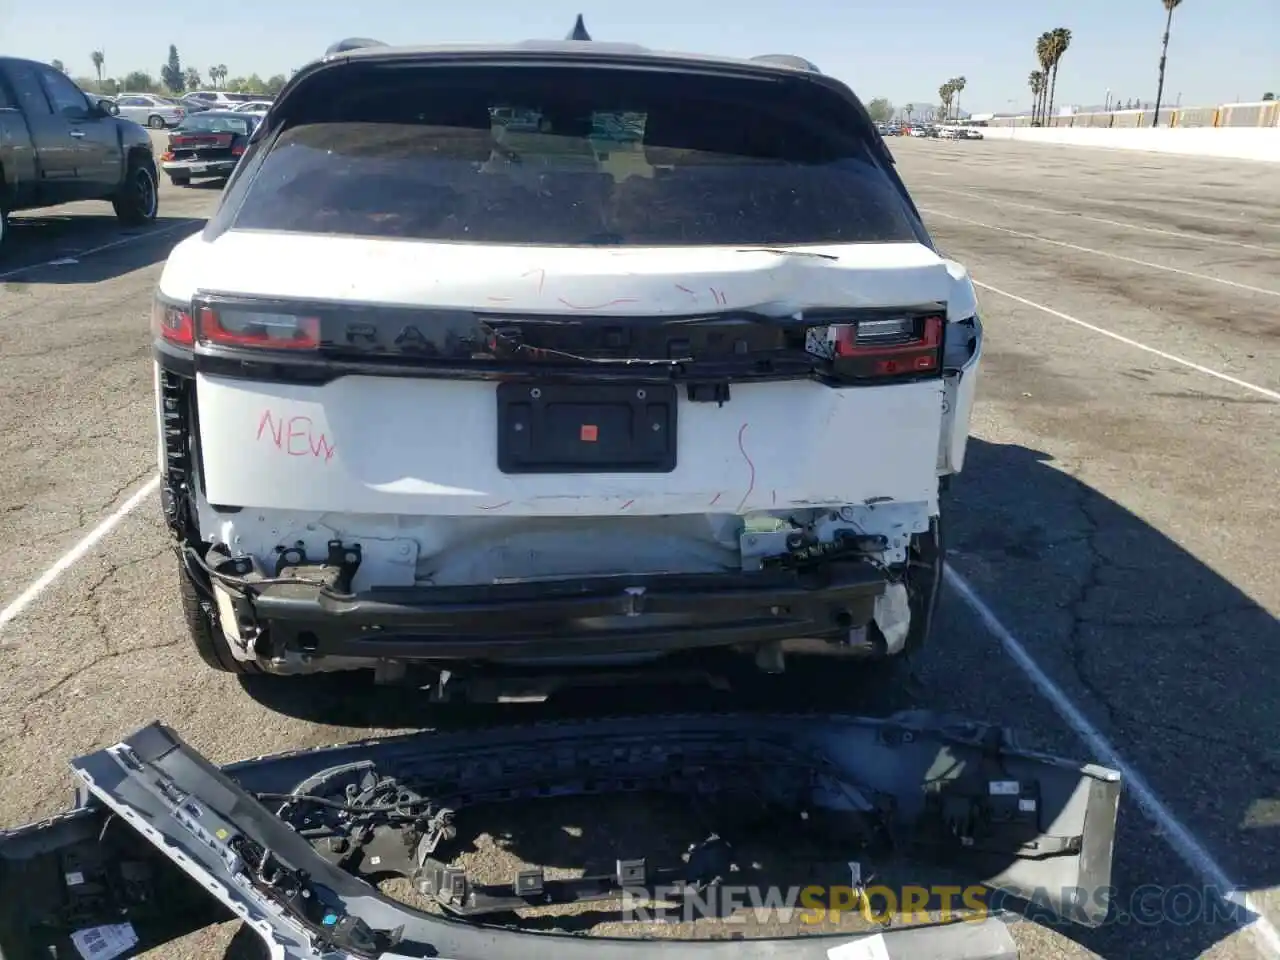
pixel 138 201
pixel 206 633
pixel 156 123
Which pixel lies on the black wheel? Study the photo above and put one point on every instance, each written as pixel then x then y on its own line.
pixel 137 202
pixel 206 634
pixel 155 123
pixel 180 181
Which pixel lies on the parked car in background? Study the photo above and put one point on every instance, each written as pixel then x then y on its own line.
pixel 194 104
pixel 207 145
pixel 259 107
pixel 59 144
pixel 221 99
pixel 150 109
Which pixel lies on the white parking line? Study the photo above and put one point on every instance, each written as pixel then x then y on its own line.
pixel 1245 384
pixel 76 553
pixel 150 234
pixel 1103 253
pixel 1181 234
pixel 1183 842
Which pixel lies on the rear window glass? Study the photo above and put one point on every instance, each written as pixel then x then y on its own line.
pixel 560 156
pixel 203 123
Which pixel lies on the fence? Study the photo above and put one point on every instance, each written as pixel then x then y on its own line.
pixel 1265 113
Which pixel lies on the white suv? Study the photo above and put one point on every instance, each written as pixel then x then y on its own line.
pixel 671 364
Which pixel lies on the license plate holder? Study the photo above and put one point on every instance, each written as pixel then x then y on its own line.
pixel 199 168
pixel 586 428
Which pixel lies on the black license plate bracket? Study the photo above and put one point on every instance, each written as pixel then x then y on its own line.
pixel 586 428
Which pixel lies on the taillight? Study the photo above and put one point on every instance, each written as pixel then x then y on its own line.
pixel 237 150
pixel 886 347
pixel 167 155
pixel 172 323
pixel 245 327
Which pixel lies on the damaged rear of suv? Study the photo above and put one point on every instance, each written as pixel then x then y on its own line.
pixel 559 354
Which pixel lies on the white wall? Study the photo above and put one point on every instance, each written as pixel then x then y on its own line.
pixel 1242 143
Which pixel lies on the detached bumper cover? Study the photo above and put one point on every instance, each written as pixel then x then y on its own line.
pixel 565 619
pixel 165 842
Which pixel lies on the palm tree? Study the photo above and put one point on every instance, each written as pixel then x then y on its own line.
pixel 1169 6
pixel 958 85
pixel 909 108
pixel 1036 82
pixel 945 93
pixel 1045 56
pixel 1059 41
pixel 98 58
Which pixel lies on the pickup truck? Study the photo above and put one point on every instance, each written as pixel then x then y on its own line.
pixel 59 144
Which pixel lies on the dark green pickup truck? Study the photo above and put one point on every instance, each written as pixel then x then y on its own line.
pixel 59 144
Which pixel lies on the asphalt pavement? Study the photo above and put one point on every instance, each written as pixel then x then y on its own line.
pixel 1113 582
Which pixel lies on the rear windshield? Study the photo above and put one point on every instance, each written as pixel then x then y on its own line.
pixel 203 123
pixel 528 155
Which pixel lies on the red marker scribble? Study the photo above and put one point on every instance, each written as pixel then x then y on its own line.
pixel 625 505
pixel 498 299
pixel 496 506
pixel 751 484
pixel 684 289
pixel 719 295
pixel 295 436
pixel 713 500
pixel 542 277
pixel 595 306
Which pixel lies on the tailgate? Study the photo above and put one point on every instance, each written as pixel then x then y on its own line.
pixel 431 445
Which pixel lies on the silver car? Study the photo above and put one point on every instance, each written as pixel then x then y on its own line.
pixel 151 110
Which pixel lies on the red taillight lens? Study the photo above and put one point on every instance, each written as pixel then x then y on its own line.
pixel 172 323
pixel 237 151
pixel 887 346
pixel 252 328
pixel 167 155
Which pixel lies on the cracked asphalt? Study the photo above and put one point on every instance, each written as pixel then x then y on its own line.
pixel 1115 514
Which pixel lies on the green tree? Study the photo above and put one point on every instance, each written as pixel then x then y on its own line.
pixel 171 72
pixel 1268 97
pixel 945 93
pixel 881 110
pixel 139 81
pixel 98 58
pixel 276 83
pixel 1035 80
pixel 1169 6
pixel 191 78
pixel 59 66
pixel 1059 41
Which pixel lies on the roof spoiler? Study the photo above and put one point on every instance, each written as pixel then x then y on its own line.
pixel 787 60
pixel 352 43
pixel 579 31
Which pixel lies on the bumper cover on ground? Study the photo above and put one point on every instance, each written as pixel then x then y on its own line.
pixel 152 810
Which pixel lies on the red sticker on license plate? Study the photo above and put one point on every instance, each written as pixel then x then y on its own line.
pixel 589 433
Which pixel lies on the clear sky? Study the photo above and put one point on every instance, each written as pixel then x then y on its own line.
pixel 900 49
